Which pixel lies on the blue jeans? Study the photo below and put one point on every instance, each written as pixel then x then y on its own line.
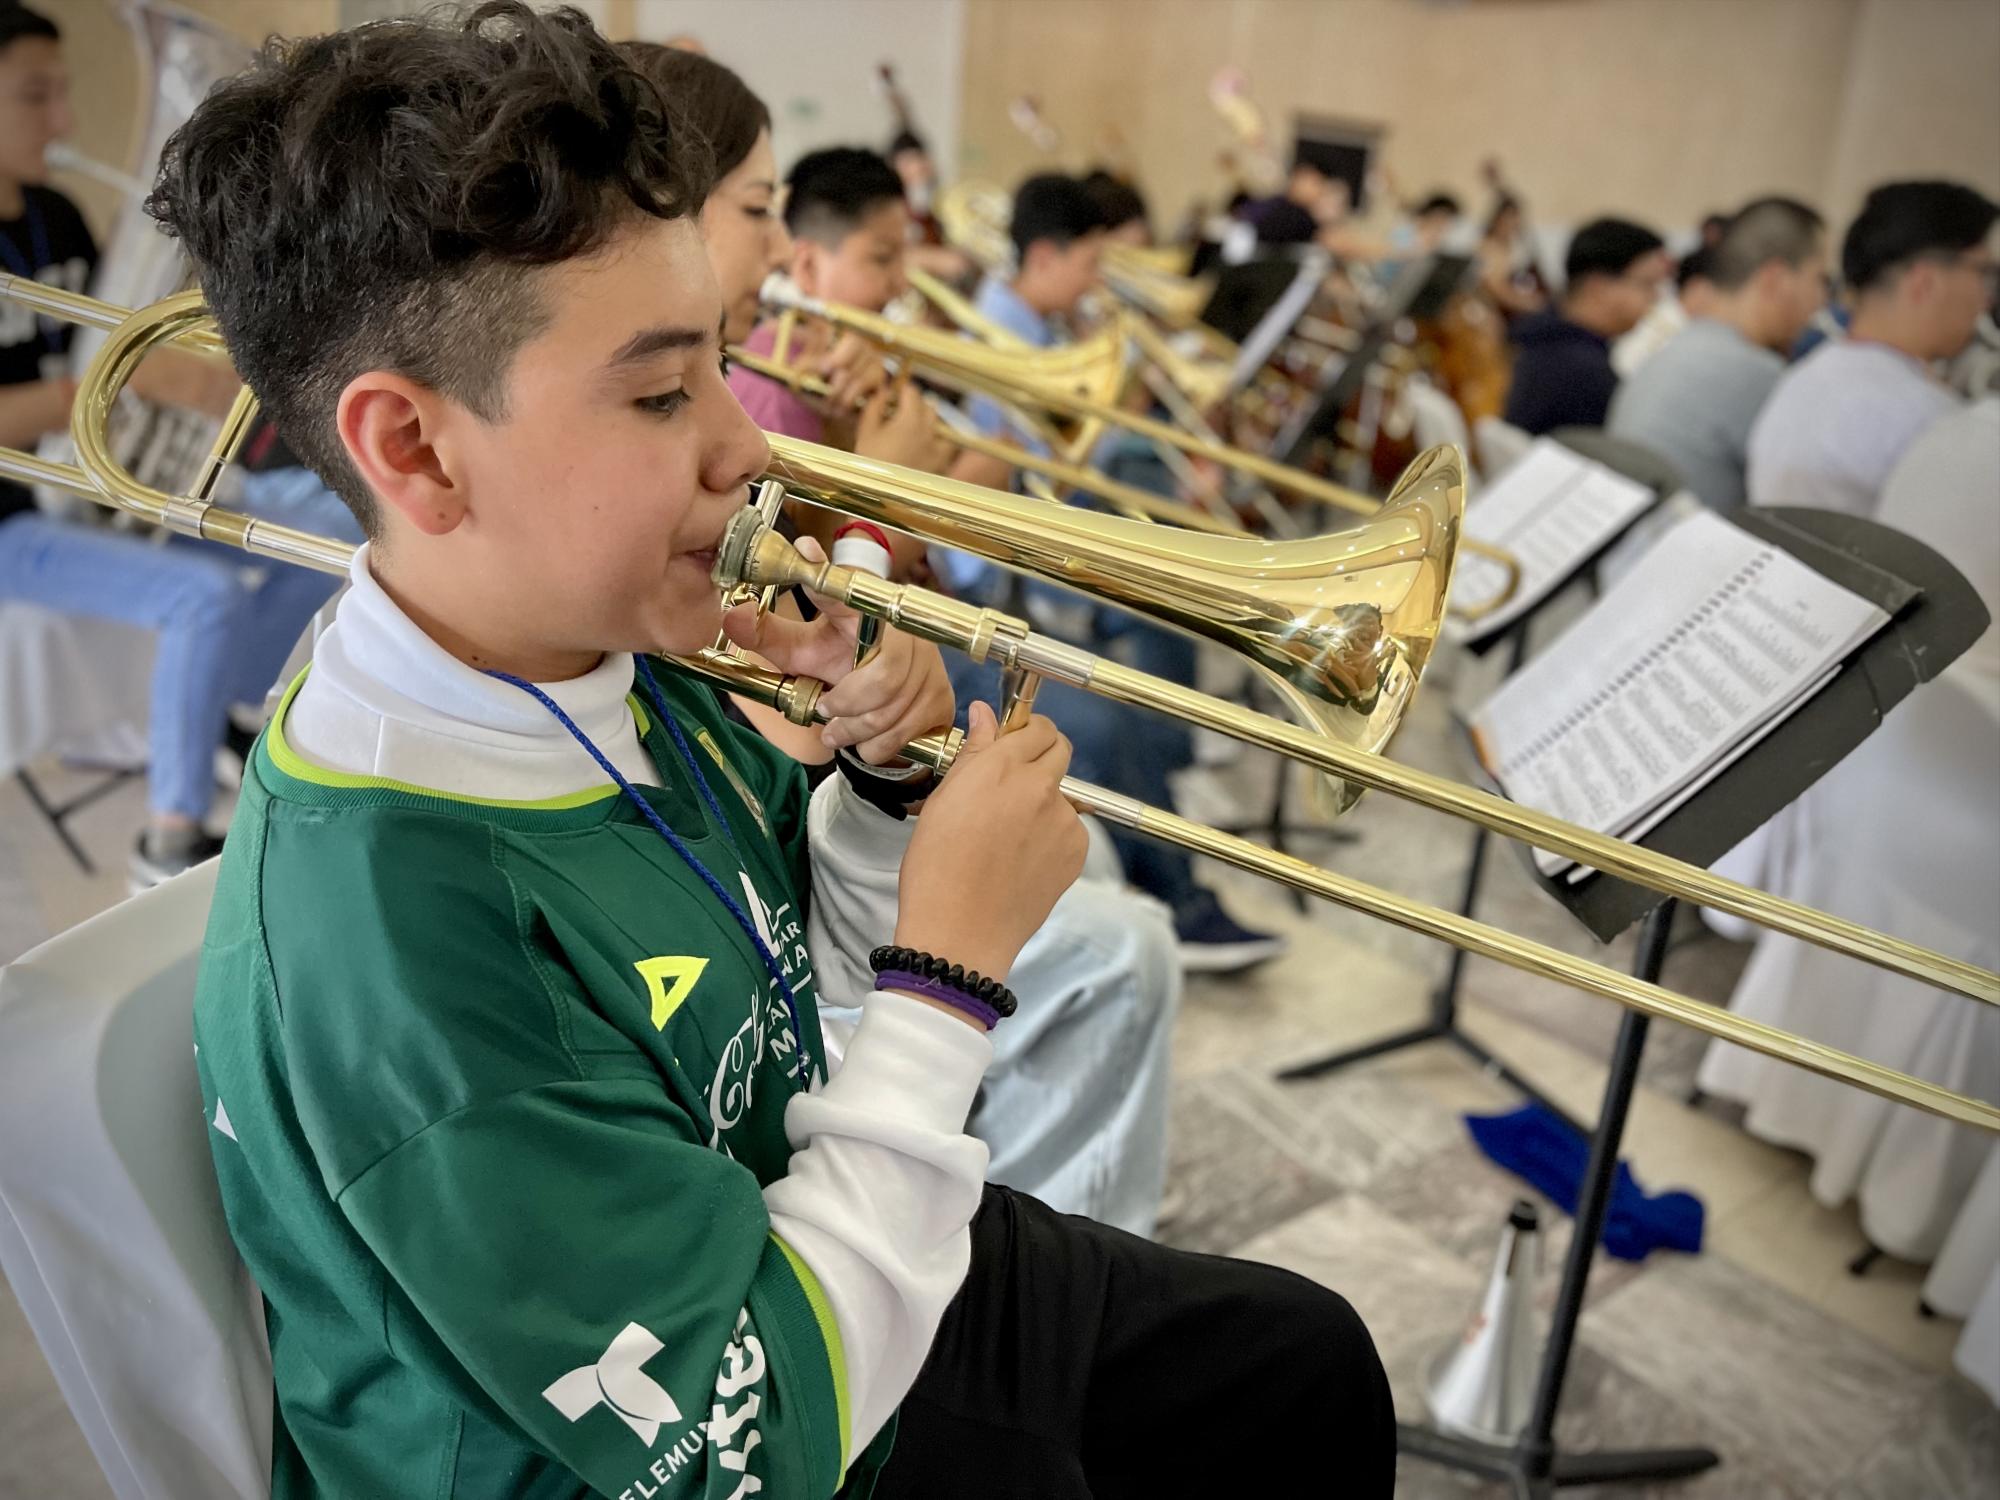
pixel 222 638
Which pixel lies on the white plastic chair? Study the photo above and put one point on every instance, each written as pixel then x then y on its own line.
pixel 1435 418
pixel 111 1226
pixel 1500 444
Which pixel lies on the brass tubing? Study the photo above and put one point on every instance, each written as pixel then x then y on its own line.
pixel 963 627
pixel 988 633
pixel 939 358
pixel 1129 498
pixel 89 312
pixel 236 427
pixel 772 688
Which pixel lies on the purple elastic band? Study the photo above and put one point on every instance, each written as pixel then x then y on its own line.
pixel 932 989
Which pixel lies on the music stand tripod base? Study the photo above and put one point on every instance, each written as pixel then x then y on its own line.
pixel 1534 1466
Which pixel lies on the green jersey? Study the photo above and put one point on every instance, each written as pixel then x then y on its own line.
pixel 494 1089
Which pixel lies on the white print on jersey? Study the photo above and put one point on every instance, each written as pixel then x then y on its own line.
pixel 617 1381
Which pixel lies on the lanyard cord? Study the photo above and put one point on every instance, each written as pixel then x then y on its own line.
pixel 680 847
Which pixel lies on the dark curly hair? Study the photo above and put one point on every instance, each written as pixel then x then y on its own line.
pixel 379 198
pixel 712 99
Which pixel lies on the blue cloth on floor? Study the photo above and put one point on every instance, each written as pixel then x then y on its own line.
pixel 1536 1144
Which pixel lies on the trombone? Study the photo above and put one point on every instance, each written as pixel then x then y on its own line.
pixel 1346 623
pixel 1127 498
pixel 1080 382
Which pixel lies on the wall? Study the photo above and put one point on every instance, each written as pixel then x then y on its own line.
pixel 105 83
pixel 1922 98
pixel 1661 109
pixel 813 62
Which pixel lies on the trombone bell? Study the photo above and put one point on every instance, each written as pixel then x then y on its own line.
pixel 1342 624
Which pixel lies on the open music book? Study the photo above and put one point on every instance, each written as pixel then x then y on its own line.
pixel 1710 641
pixel 1554 510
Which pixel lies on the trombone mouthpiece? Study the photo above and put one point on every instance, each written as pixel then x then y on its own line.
pixel 739 541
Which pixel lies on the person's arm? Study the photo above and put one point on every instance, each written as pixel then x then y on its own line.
pixel 31 410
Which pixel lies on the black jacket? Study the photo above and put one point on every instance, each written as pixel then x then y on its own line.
pixel 1562 375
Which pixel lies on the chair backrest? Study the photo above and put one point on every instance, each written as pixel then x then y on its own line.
pixel 111 1226
pixel 71 685
pixel 1500 445
pixel 1435 418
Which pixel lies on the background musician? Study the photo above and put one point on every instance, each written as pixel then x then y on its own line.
pixel 1694 401
pixel 1612 273
pixel 1918 267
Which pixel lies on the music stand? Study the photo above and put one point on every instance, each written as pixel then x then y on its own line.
pixel 1934 616
pixel 1421 291
pixel 1442 1025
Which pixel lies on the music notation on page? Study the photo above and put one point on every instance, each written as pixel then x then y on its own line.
pixel 1701 650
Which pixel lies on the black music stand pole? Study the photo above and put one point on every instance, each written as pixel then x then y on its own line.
pixel 1535 1466
pixel 1934 614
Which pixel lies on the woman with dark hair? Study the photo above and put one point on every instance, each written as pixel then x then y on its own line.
pixel 742 219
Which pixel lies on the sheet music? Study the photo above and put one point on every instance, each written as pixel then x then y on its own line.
pixel 1552 510
pixel 1708 643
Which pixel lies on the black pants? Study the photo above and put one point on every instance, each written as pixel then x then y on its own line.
pixel 1083 1363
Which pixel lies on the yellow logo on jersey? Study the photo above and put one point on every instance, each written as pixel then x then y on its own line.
pixel 669 981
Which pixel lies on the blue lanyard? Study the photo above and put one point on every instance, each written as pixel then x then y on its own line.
pixel 679 845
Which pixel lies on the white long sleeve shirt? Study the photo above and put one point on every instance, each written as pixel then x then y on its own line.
pixel 884 1182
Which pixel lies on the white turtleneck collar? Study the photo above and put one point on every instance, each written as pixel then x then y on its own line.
pixel 384 699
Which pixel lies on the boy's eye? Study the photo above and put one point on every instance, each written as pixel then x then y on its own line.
pixel 663 405
pixel 726 365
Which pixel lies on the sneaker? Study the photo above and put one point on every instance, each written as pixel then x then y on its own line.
pixel 1213 942
pixel 233 754
pixel 158 857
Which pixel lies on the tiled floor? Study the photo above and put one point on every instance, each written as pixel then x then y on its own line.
pixel 1807 1381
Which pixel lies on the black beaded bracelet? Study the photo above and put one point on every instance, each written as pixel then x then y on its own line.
pixel 928 965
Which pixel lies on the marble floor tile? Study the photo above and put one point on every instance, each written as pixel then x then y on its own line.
pixel 62 894
pixel 1412 1293
pixel 1320 996
pixel 1415 1297
pixel 1227 1179
pixel 1461 1200
pixel 1606 1409
pixel 1951 1451
pixel 1669 1144
pixel 1792 1241
pixel 1356 1126
pixel 1762 1369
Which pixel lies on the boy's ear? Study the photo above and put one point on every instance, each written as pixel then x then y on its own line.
pixel 805 266
pixel 393 430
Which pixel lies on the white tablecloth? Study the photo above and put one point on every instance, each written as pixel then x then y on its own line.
pixel 1965 1282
